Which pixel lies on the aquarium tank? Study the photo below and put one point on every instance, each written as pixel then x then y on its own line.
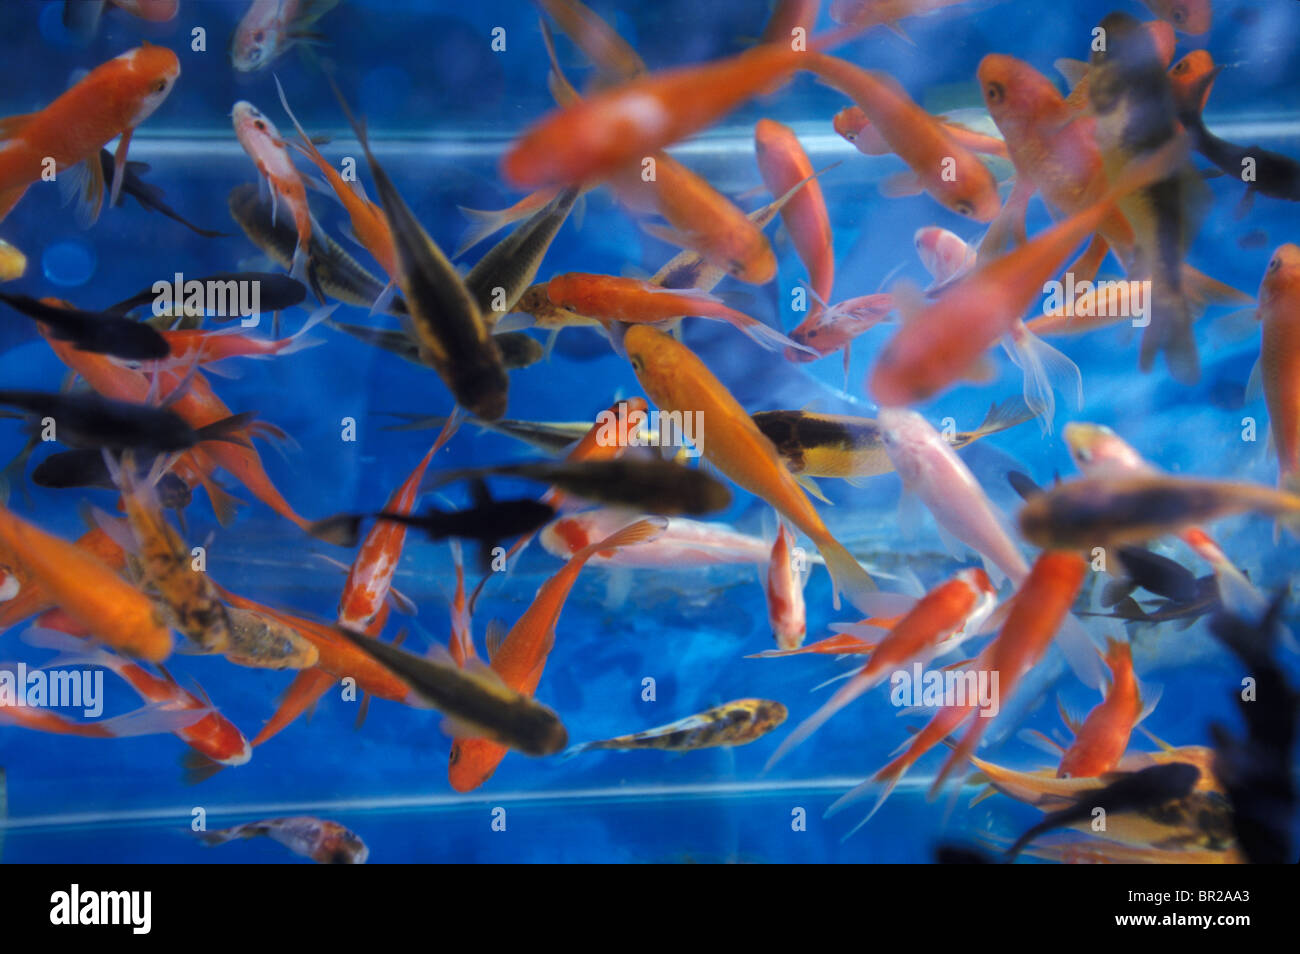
pixel 618 432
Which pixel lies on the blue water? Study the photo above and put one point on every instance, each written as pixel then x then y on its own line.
pixel 441 107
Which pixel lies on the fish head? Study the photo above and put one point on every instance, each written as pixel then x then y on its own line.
pixel 150 73
pixel 906 435
pixel 344 847
pixel 944 254
pixel 257 41
pixel 1098 451
pixel 852 124
pixel 472 762
pixel 1192 78
pixel 1281 278
pixel 1186 16
pixel 250 123
pixel 1016 95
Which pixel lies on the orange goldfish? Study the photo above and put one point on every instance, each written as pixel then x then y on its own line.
pixel 935 625
pixel 520 657
pixel 939 165
pixel 191 346
pixel 1187 16
pixel 614 298
pixel 852 124
pixel 784 590
pixel 86 589
pixel 1279 359
pixel 1192 78
pixel 270 27
pixel 784 164
pixel 1100 742
pixel 676 380
pixel 110 101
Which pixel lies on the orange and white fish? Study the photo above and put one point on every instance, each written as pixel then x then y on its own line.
pixel 675 379
pixel 783 587
pixel 110 101
pixel 1099 452
pixel 684 544
pixel 830 328
pixel 938 623
pixel 939 165
pixel 945 255
pixel 195 346
pixel 616 298
pixel 853 125
pixel 1279 359
pixel 1187 16
pixel 784 164
pixel 212 736
pixel 267 148
pixel 520 657
pixel 1102 739
pixel 270 27
pixel 324 842
pixel 884 12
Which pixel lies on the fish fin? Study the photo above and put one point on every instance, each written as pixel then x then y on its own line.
pixel 1071 69
pixel 84 184
pixel 1202 291
pixel 223 502
pixel 117 529
pixel 1170 333
pixel 1080 651
pixel 1041 741
pixel 482 224
pixel 909 514
pixel 1046 369
pixel 1161 743
pixel 119 165
pixel 157 718
pixel 665 233
pixel 900 184
pixel 195 768
pixel 362 711
pixel 228 429
pixel 1070 719
pixel 810 485
pixel 401 602
pixel 1235 326
pixel 1009 413
pixel 642 531
pixel 847 575
pixel 299 341
pixel 1255 383
pixel 385 299
pixel 496 635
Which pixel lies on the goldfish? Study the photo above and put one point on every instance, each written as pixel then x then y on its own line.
pixel 197 347
pixel 969 190
pixel 935 625
pixel 518 658
pixel 1039 610
pixel 324 842
pixel 444 316
pixel 270 27
pixel 259 138
pixel 945 255
pixel 263 642
pixel 1187 16
pixel 738 722
pixel 167 563
pixel 783 587
pixel 1134 105
pixel 683 544
pixel 1279 315
pixel 676 380
pixel 26 599
pixel 614 298
pixel 853 125
pixel 835 445
pixel 929 352
pixel 13 263
pixel 108 102
pixel 888 12
pixel 500 278
pixel 784 164
pixel 1078 74
pixel 89 591
pixel 841 644
pixel 931 469
pixel 1111 511
pixel 461 643
pixel 147 720
pixel 611 54
pixel 369 224
pixel 210 735
pixel 1100 452
pixel 829 328
pixel 1099 743
pixel 1191 79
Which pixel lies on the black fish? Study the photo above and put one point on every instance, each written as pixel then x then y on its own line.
pixel 512 264
pixel 1157 574
pixel 518 350
pixel 86 468
pixel 1276 175
pixel 331 270
pixel 88 420
pixel 1256 770
pixel 649 484
pixel 100 333
pixel 276 292
pixel 488 521
pixel 1131 792
pixel 149 196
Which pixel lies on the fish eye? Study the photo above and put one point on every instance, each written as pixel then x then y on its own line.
pixel 1275 264
pixel 454 757
pixel 260 125
pixel 850 136
pixel 965 208
pixel 1180 66
pixel 995 93
pixel 637 363
pixel 340 857
pixel 1179 14
pixel 159 86
pixel 259 36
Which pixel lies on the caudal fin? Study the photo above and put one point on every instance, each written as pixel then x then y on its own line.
pixel 847 575
pixel 1046 370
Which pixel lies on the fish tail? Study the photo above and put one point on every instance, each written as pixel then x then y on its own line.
pixel 847 575
pixel 223 502
pixel 485 222
pixel 1170 333
pixel 859 684
pixel 195 768
pixel 1046 370
pixel 1201 292
pixel 642 531
pixel 298 341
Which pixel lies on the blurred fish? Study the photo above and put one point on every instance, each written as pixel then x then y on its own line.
pixel 270 27
pixel 685 544
pixel 733 723
pixel 834 445
pixel 263 642
pixel 276 292
pixel 81 17
pixel 500 277
pixel 1146 790
pixel 1262 170
pixel 110 101
pixel 853 125
pixel 324 842
pixel 1187 16
pixel 100 332
pixel 1109 511
pixel 86 468
pixel 476 702
pixel 1100 742
pixel 783 587
pixel 1279 364
pixel 13 263
pixel 149 196
pixel 259 137
pixel 650 484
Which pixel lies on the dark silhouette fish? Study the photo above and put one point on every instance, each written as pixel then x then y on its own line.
pixel 86 467
pixel 149 196
pixel 276 292
pixel 98 332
